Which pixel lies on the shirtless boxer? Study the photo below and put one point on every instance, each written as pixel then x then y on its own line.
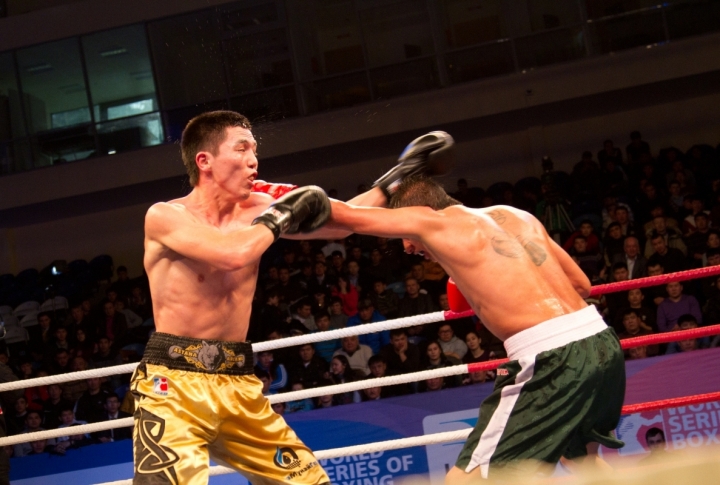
pixel 565 383
pixel 195 390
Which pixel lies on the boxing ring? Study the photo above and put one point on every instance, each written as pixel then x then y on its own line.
pixel 423 440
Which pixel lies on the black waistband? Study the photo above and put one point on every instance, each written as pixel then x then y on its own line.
pixel 199 355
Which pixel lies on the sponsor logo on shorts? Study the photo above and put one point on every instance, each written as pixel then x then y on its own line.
pixel 160 386
pixel 286 458
pixel 502 372
pixel 300 472
pixel 208 357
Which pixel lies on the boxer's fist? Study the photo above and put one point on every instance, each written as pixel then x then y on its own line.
pixel 274 190
pixel 300 211
pixel 456 300
pixel 431 154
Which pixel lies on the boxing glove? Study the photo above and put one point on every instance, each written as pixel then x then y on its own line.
pixel 457 301
pixel 300 211
pixel 431 154
pixel 274 190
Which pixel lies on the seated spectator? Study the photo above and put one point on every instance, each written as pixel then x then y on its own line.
pixel 636 353
pixel 16 420
pixel 326 348
pixel 378 368
pixel 429 287
pixel 40 336
pixel 83 346
pixel 675 305
pixel 587 231
pixel 647 316
pixel 303 314
pixel 338 319
pixel 264 378
pixel 450 344
pixel 356 255
pixel 340 373
pixel 383 299
pixel 697 207
pixel 337 264
pixel 477 377
pixel 361 282
pixel 334 245
pixel 590 263
pixel 67 418
pixel 309 369
pixel 279 408
pixel 616 300
pixel 33 424
pixel 432 384
pixel 671 237
pixel 687 322
pixel 671 259
pixel 320 280
pixel 91 405
pixel 61 339
pixel 712 243
pixel 113 325
pixel 348 295
pixel 468 196
pixel 623 217
pixel 367 314
pixel 140 303
pixel 636 262
pixel 74 389
pixel 711 309
pixel 475 351
pixel 106 356
pixel 53 405
pixel 73 442
pixel 379 268
pixel 613 242
pixel 112 411
pixel 276 370
pixel 460 326
pixel 401 356
pixel 356 354
pixel 633 328
pixel 61 362
pixel 436 358
pixel 696 241
pixel 38 447
pixel 414 302
pixel 637 147
pixel 326 400
pixel 288 289
pixel 319 303
pixel 133 319
pixel 372 393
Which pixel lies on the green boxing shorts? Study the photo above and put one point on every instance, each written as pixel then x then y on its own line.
pixel 563 388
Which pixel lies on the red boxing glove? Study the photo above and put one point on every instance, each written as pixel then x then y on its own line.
pixel 274 190
pixel 457 301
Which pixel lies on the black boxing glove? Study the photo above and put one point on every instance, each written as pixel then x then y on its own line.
pixel 431 154
pixel 300 211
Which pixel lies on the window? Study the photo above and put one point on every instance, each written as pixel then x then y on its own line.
pixel 470 22
pixel 11 121
pixel 55 101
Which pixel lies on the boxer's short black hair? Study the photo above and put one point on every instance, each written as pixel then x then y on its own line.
pixel 421 191
pixel 207 132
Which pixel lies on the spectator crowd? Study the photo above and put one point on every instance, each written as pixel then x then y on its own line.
pixel 621 215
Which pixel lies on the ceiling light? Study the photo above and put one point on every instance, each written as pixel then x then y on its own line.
pixel 114 51
pixel 44 66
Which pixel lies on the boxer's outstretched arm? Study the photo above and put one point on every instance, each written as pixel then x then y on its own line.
pixel 372 198
pixel 175 228
pixel 408 222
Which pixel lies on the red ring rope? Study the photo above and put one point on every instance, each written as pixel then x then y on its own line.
pixel 671 403
pixel 662 279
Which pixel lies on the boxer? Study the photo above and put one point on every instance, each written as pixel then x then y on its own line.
pixel 564 385
pixel 195 391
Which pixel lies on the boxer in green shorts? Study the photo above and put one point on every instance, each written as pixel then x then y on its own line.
pixel 564 385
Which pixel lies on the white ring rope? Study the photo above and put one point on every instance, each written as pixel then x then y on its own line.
pixel 430 439
pixel 275 398
pixel 257 347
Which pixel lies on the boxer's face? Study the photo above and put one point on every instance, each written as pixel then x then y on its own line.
pixel 234 167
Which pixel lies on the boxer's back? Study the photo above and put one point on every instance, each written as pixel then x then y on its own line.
pixel 507 267
pixel 192 298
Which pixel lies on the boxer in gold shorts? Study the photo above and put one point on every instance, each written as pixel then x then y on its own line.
pixel 196 398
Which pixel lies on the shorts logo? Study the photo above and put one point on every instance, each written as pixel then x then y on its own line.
pixel 502 372
pixel 286 458
pixel 160 386
pixel 152 458
pixel 208 357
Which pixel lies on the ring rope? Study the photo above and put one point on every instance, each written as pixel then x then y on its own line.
pixel 367 383
pixel 449 436
pixel 662 279
pixel 361 329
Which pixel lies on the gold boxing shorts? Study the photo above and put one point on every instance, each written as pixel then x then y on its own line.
pixel 198 399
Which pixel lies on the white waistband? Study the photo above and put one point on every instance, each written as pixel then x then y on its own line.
pixel 556 332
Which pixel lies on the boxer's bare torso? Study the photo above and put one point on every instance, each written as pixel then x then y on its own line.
pixel 197 298
pixel 512 274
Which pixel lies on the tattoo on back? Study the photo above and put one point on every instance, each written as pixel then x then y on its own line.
pixel 511 246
